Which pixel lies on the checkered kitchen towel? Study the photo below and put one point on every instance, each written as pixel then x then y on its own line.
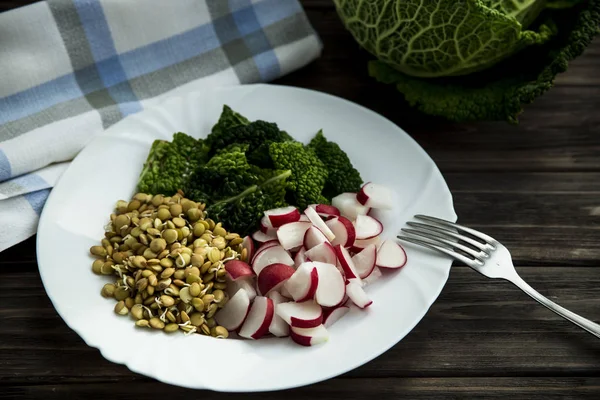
pixel 71 68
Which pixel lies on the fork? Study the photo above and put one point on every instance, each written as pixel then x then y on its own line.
pixel 485 255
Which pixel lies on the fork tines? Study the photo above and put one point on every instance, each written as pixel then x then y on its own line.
pixel 446 237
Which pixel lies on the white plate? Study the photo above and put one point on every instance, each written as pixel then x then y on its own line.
pixel 107 170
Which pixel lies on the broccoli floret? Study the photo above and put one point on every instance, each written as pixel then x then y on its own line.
pixel 342 176
pixel 241 213
pixel 258 135
pixel 169 165
pixel 308 172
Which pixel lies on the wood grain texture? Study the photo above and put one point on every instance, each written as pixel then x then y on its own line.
pixel 535 187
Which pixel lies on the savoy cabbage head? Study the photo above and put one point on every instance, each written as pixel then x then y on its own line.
pixel 471 59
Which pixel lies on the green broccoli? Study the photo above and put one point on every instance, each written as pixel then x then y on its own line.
pixel 169 165
pixel 241 213
pixel 342 176
pixel 308 172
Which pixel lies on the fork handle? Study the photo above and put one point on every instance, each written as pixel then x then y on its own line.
pixel 584 323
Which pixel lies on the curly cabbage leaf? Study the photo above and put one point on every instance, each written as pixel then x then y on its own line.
pixel 342 176
pixel 439 38
pixel 500 92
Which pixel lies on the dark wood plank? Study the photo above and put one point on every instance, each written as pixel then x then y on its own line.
pixel 384 389
pixel 478 327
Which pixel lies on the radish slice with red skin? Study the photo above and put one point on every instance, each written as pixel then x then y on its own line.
pixel 364 262
pixel 360 245
pixel 242 284
pixel 312 237
pixel 343 229
pixel 348 205
pixel 258 319
pixel 237 269
pixel 357 294
pixel 346 263
pixel 263 247
pixel 272 255
pixel 309 336
pixel 300 257
pixel 292 235
pixel 284 292
pixel 317 221
pixel 301 315
pixel 325 210
pixel 367 227
pixel 261 237
pixel 390 255
pixel 375 275
pixel 278 326
pixel 282 216
pixel 323 252
pixel 272 277
pixel 332 315
pixel 248 244
pixel 375 196
pixel 234 312
pixel 331 287
pixel 303 284
pixel 266 227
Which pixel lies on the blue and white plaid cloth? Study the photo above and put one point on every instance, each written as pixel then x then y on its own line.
pixel 71 68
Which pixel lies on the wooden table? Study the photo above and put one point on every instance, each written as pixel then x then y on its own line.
pixel 535 187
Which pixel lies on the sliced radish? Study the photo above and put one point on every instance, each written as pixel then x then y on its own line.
pixel 300 257
pixel 261 237
pixel 282 216
pixel 317 221
pixel 367 227
pixel 292 235
pixel 259 318
pixel 248 244
pixel 323 252
pixel 266 227
pixel 325 210
pixel 348 205
pixel 273 276
pixel 237 269
pixel 304 218
pixel 278 326
pixel 346 263
pixel 331 287
pixel 359 245
pixel 303 284
pixel 301 315
pixel 265 246
pixel 309 336
pixel 313 237
pixel 272 255
pixel 357 294
pixel 375 196
pixel 364 262
pixel 390 255
pixel 332 315
pixel 343 229
pixel 284 292
pixel 246 284
pixel 234 312
pixel 375 275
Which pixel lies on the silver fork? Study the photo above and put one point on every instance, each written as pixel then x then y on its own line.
pixel 485 255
